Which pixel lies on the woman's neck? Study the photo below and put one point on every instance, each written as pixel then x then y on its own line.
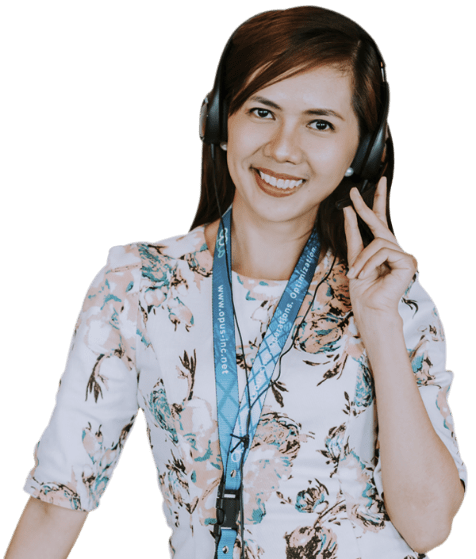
pixel 262 250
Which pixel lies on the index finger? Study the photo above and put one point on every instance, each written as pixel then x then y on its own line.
pixel 355 244
pixel 377 226
pixel 379 206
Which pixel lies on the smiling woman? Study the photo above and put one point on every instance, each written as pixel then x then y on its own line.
pixel 289 364
pixel 282 44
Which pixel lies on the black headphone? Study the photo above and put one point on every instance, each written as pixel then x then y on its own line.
pixel 367 165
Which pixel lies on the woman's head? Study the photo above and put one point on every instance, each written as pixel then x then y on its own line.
pixel 289 146
pixel 277 45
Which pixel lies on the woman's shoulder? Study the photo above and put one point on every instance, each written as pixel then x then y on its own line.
pixel 140 254
pixel 422 326
pixel 416 301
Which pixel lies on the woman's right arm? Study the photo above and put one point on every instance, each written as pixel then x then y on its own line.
pixel 96 404
pixel 45 531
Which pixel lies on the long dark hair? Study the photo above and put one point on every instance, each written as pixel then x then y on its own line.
pixel 276 45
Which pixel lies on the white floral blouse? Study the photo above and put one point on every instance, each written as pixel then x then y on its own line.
pixel 312 480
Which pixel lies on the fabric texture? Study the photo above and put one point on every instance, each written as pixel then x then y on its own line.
pixel 312 480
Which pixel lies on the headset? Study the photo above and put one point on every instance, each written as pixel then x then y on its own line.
pixel 367 167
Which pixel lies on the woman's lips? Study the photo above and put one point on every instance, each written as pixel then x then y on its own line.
pixel 274 190
pixel 278 175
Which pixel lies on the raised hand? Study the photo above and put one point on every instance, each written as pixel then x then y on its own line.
pixel 379 273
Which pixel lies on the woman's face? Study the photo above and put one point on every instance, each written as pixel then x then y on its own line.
pixel 290 144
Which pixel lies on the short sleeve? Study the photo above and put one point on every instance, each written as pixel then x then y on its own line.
pixel 426 346
pixel 96 402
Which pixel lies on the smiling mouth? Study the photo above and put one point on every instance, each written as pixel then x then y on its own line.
pixel 278 184
pixel 279 180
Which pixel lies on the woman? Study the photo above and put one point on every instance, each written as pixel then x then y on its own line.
pixel 354 454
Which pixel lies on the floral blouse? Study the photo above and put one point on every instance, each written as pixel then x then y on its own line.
pixel 312 480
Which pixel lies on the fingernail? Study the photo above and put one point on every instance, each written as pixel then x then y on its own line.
pixel 351 273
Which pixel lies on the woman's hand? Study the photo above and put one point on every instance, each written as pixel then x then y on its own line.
pixel 379 273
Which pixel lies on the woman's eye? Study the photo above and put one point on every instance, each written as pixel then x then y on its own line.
pixel 261 113
pixel 321 125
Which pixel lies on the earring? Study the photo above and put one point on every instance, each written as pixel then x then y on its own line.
pixel 349 172
pixel 223 146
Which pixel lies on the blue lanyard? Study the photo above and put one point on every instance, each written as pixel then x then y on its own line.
pixel 235 419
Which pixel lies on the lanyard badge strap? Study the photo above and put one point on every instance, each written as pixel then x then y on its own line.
pixel 241 420
pixel 224 348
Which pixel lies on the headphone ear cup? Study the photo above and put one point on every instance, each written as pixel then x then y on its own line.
pixel 213 118
pixel 224 122
pixel 360 155
pixel 372 164
pixel 203 119
pixel 374 160
pixel 214 112
pixel 210 119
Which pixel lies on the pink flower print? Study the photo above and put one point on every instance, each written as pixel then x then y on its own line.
pixel 311 542
pixel 326 322
pixel 275 446
pixel 103 459
pixel 364 505
pixel 200 263
pixel 312 499
pixel 197 434
pixel 154 297
pixel 179 314
pixel 334 445
pixel 421 363
pixel 442 403
pixel 60 494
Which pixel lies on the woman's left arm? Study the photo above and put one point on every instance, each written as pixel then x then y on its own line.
pixel 422 487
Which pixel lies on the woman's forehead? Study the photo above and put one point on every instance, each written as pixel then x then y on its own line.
pixel 343 69
pixel 322 84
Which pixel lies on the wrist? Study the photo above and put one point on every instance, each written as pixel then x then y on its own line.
pixel 379 317
pixel 383 326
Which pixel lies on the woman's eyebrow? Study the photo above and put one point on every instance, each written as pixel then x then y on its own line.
pixel 319 112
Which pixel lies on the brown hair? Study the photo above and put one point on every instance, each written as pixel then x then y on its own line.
pixel 275 45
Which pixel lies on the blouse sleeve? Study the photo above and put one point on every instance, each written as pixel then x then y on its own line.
pixel 96 402
pixel 426 346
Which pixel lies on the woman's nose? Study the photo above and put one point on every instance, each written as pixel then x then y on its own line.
pixel 283 146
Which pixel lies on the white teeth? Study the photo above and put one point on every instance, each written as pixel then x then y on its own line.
pixel 283 184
